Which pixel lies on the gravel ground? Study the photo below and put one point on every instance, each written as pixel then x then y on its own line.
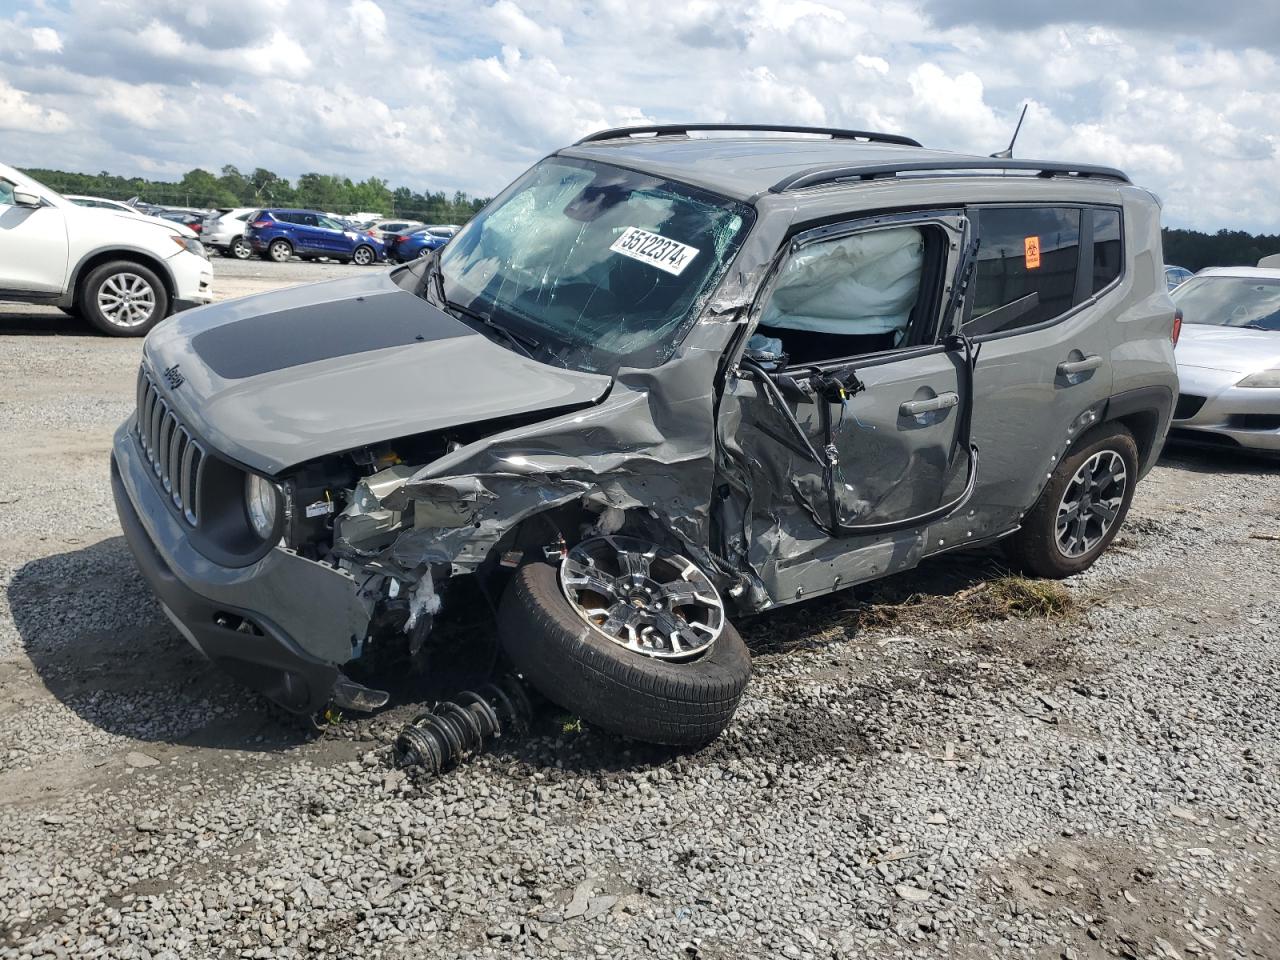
pixel 1102 785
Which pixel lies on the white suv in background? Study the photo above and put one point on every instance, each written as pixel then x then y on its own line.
pixel 225 232
pixel 122 272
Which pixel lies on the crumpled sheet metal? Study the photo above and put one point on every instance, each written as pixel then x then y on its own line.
pixel 648 445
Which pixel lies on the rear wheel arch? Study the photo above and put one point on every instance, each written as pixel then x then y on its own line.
pixel 1145 413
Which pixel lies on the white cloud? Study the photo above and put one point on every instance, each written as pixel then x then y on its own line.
pixel 19 112
pixel 46 40
pixel 464 96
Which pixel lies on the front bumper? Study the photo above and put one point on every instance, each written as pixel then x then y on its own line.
pixel 283 625
pixel 1213 411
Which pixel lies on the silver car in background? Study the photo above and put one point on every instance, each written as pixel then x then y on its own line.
pixel 1229 359
pixel 225 232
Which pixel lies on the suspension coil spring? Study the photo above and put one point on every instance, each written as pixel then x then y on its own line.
pixel 457 728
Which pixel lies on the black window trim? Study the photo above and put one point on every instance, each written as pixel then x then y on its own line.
pixel 1083 283
pixel 810 233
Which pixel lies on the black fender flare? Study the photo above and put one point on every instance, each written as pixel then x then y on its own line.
pixel 1147 412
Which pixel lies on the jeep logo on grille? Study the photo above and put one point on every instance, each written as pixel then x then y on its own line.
pixel 174 378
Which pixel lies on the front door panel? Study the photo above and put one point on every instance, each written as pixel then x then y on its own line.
pixel 891 464
pixel 891 449
pixel 33 249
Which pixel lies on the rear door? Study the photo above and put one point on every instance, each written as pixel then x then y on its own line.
pixel 847 448
pixel 1044 371
pixel 310 236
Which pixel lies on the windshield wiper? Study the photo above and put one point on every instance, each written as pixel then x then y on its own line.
pixel 1255 326
pixel 522 343
pixel 525 345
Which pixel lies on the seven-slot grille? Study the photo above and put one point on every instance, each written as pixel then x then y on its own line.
pixel 175 457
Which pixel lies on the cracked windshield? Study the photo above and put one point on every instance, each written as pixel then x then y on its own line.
pixel 590 266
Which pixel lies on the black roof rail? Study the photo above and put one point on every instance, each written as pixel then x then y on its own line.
pixel 876 171
pixel 678 129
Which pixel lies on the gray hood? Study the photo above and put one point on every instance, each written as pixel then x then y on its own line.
pixel 281 378
pixel 1233 349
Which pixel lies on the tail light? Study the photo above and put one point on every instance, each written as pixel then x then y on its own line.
pixel 1176 332
pixel 260 224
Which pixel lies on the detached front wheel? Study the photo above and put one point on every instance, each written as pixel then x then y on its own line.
pixel 629 636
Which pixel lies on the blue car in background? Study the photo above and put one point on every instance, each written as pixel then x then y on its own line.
pixel 278 235
pixel 410 246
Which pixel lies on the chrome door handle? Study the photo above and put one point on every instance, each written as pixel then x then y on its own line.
pixel 943 401
pixel 1069 368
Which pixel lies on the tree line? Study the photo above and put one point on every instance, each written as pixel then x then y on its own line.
pixel 1226 248
pixel 232 188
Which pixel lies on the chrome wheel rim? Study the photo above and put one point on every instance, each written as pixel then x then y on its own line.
pixel 126 300
pixel 362 256
pixel 645 599
pixel 241 249
pixel 1091 503
pixel 280 251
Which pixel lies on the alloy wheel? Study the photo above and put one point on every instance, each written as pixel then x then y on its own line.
pixel 363 256
pixel 126 300
pixel 1091 503
pixel 280 251
pixel 240 248
pixel 647 599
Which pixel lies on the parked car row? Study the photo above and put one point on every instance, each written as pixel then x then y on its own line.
pixel 285 232
pixel 279 234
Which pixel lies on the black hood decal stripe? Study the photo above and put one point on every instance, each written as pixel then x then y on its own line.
pixel 288 338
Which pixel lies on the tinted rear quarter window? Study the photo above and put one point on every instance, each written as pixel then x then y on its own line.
pixel 1108 249
pixel 1028 258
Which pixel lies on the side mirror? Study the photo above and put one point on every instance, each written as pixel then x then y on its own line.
pixel 24 199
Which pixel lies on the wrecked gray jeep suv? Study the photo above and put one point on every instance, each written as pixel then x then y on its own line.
pixel 669 376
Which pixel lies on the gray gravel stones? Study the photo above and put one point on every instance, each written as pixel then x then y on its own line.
pixel 1099 787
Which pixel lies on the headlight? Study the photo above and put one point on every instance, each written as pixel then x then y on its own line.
pixel 190 244
pixel 261 503
pixel 1263 378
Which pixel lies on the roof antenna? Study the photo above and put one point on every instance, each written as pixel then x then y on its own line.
pixel 1007 152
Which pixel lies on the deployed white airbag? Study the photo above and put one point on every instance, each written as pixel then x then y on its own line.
pixel 863 284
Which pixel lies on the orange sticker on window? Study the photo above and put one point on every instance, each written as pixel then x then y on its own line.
pixel 1032 245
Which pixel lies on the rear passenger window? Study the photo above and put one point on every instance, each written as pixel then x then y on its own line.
pixel 1027 263
pixel 1107 248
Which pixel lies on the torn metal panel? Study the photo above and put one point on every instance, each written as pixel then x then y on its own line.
pixel 648 445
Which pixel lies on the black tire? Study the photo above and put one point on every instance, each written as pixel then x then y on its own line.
pixel 96 293
pixel 279 251
pixel 364 256
pixel 570 663
pixel 1036 548
pixel 240 249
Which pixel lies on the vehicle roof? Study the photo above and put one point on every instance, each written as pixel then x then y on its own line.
pixel 744 167
pixel 1259 273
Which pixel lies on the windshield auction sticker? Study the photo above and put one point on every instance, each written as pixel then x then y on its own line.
pixel 655 250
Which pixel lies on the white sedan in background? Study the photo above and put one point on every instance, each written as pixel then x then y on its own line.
pixel 1229 359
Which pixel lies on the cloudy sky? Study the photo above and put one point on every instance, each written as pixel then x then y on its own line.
pixel 440 95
